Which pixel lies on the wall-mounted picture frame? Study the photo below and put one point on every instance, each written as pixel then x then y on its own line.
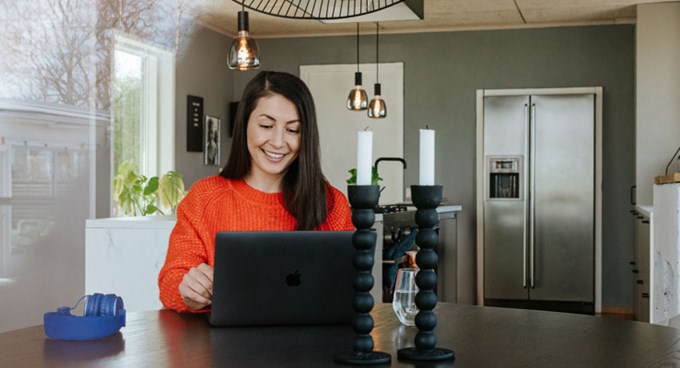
pixel 211 141
pixel 195 119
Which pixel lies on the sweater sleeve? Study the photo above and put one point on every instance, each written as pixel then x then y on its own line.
pixel 186 249
pixel 339 217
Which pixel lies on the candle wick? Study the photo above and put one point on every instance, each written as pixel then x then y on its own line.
pixel 365 129
pixel 427 126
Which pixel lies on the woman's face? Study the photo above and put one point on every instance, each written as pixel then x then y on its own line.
pixel 273 135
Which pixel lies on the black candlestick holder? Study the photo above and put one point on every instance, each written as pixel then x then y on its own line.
pixel 426 198
pixel 364 199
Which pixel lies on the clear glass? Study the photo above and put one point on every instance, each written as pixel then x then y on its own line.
pixel 404 298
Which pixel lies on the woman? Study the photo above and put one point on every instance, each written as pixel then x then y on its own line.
pixel 272 181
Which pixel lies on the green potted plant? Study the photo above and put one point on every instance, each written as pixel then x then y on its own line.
pixel 137 195
pixel 375 177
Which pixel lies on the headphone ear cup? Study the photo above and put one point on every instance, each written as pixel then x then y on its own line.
pixel 108 305
pixel 92 304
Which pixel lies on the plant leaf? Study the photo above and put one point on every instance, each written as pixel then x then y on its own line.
pixel 151 186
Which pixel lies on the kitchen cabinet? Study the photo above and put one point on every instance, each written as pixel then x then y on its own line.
pixel 665 253
pixel 123 256
pixel 641 264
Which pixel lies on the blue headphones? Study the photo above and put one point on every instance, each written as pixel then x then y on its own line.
pixel 103 315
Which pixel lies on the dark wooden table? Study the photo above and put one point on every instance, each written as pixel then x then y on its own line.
pixel 480 337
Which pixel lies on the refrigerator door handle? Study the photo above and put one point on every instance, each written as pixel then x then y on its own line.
pixel 526 204
pixel 532 201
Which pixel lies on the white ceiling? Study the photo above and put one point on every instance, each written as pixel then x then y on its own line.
pixel 440 15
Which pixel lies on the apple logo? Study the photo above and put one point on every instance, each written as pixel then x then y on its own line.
pixel 294 279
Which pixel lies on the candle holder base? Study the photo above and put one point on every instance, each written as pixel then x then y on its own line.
pixel 370 358
pixel 415 354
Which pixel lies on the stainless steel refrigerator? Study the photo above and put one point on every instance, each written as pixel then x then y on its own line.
pixel 538 203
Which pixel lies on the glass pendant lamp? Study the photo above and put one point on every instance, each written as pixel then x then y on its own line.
pixel 243 53
pixel 357 99
pixel 377 109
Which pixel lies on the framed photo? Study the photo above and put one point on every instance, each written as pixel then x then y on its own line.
pixel 211 141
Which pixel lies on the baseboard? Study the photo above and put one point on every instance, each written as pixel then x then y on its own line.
pixel 618 310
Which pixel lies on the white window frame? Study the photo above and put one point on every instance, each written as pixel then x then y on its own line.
pixel 5 169
pixel 158 156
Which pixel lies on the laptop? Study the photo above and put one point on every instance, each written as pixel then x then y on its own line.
pixel 283 278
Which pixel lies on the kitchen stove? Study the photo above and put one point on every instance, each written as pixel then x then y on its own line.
pixel 398 234
pixel 398 220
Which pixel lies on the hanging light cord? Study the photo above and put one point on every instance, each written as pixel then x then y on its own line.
pixel 377 52
pixel 357 47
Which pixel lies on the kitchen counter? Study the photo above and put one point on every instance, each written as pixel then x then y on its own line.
pixel 138 245
pixel 441 210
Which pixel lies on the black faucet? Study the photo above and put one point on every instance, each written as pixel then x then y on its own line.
pixel 389 159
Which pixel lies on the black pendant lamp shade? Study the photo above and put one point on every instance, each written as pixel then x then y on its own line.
pixel 357 99
pixel 243 52
pixel 377 109
pixel 317 9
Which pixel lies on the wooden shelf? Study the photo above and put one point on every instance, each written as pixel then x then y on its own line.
pixel 667 179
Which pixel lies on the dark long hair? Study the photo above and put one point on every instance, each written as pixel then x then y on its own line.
pixel 304 186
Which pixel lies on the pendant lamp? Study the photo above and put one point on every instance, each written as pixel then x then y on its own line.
pixel 357 99
pixel 243 53
pixel 326 9
pixel 377 109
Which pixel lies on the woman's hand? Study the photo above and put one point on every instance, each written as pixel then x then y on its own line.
pixel 196 287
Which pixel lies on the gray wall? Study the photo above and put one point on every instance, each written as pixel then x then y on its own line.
pixel 442 72
pixel 202 71
pixel 658 93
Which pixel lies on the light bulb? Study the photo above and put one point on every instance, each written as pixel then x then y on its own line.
pixel 357 99
pixel 377 109
pixel 243 52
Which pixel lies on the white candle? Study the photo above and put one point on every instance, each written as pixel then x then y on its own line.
pixel 426 157
pixel 364 157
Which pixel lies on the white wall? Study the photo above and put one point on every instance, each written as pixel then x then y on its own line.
pixel 658 93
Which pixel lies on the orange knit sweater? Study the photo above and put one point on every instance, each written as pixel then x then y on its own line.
pixel 217 204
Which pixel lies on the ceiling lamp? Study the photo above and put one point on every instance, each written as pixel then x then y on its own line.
pixel 324 9
pixel 377 109
pixel 358 99
pixel 243 53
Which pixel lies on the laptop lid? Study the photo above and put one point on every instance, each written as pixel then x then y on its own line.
pixel 283 278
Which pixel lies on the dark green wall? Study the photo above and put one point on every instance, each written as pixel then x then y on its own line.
pixel 443 70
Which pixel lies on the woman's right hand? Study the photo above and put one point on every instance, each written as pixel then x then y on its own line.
pixel 196 287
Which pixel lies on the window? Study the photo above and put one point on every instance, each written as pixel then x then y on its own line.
pixel 143 106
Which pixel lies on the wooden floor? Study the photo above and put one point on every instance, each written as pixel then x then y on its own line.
pixel 624 316
pixel 617 313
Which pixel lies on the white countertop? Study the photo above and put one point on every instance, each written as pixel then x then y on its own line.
pixel 144 222
pixel 168 222
pixel 645 210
